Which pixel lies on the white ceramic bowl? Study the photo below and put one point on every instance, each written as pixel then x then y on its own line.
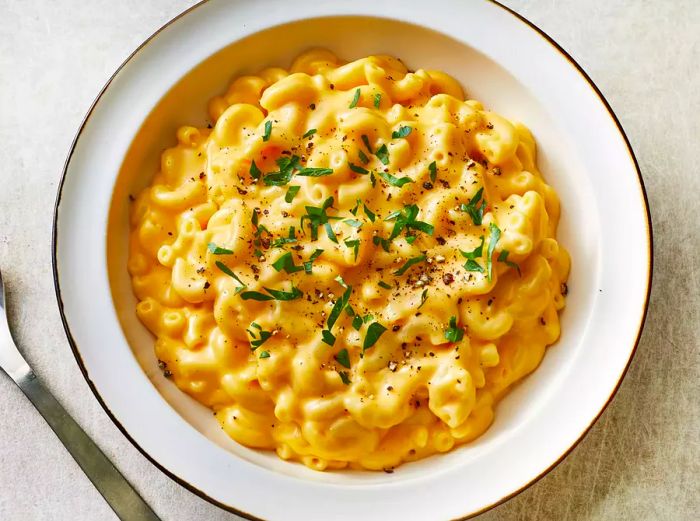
pixel 501 60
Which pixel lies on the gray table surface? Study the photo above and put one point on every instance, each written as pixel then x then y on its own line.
pixel 641 461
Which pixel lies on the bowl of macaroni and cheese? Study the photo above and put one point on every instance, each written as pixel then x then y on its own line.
pixel 354 255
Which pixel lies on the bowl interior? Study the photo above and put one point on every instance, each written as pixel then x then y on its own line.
pixel 352 37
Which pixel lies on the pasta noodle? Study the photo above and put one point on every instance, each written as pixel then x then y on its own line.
pixel 353 265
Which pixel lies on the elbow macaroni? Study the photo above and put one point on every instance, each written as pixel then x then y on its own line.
pixel 210 233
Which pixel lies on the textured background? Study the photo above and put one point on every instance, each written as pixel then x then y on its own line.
pixel 640 462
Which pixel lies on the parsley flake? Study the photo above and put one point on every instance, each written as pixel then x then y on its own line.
pixel 217 250
pixel 274 294
pixel 286 263
pixel 406 219
pixel 401 132
pixel 292 192
pixel 258 338
pixel 474 209
pixel 309 263
pixel 317 217
pixel 432 167
pixel 355 99
pixel 423 297
pixel 493 240
pixel 309 133
pixel 410 262
pixel 281 241
pixel 374 331
pixel 314 172
pixel 454 333
pixel 357 322
pixel 339 306
pixel 471 256
pixel 382 154
pixel 343 358
pixel 268 130
pixel 365 140
pixel 255 172
pixel 354 244
pixel 395 181
pixel 358 169
pixel 284 175
pixel 503 257
pixel 328 337
pixel 377 100
pixel 231 274
pixel 344 377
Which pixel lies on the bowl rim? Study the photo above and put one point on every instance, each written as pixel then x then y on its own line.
pixel 78 357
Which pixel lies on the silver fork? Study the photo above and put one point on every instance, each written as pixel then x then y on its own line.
pixel 116 490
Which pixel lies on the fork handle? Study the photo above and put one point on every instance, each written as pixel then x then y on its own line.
pixel 114 487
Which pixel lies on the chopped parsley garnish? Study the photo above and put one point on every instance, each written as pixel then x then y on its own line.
pixel 365 140
pixel 274 294
pixel 255 172
pixel 354 244
pixel 287 166
pixel 493 240
pixel 309 133
pixel 401 132
pixel 317 217
pixel 344 377
pixel 471 256
pixel 410 262
pixel 410 239
pixel 432 167
pixel 286 263
pixel 353 222
pixel 339 305
pixel 284 175
pixel 292 192
pixel 382 154
pixel 384 285
pixel 358 169
pixel 264 354
pixel 258 339
pixel 309 263
pixel 395 181
pixel 363 157
pixel 406 219
pixel 374 331
pixel 369 213
pixel 268 130
pixel 355 99
pixel 217 250
pixel 423 297
pixel 328 337
pixel 281 241
pixel 343 358
pixel 357 322
pixel 372 179
pixel 314 172
pixel 474 209
pixel 385 243
pixel 454 333
pixel 503 257
pixel 377 100
pixel 231 274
